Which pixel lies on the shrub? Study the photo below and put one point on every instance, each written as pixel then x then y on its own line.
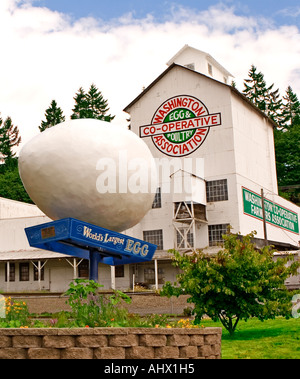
pixel 238 283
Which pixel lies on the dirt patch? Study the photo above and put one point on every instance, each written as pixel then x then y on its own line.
pixel 141 304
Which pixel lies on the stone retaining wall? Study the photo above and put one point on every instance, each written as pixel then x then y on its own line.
pixel 111 343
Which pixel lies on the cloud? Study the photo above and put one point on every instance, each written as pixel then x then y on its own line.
pixel 45 55
pixel 290 12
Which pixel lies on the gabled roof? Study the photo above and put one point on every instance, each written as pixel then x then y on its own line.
pixel 199 52
pixel 173 65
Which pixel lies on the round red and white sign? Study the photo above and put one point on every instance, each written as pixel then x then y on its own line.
pixel 180 125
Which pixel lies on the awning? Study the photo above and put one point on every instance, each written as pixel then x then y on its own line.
pixel 29 255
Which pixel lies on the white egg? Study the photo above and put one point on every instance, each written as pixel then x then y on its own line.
pixel 90 170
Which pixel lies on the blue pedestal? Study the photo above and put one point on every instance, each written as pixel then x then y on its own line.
pixel 83 240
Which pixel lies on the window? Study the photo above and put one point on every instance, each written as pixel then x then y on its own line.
pixel 215 233
pixel 210 70
pixel 157 199
pixel 217 190
pixel 12 272
pixel 36 271
pixel 24 272
pixel 191 66
pixel 155 237
pixel 187 240
pixel 83 269
pixel 149 276
pixel 119 272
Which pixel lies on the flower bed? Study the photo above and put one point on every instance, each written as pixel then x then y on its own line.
pixel 110 343
pixel 99 328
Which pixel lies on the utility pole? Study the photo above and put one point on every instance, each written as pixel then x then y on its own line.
pixel 264 217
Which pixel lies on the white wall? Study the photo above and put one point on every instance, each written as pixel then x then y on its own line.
pixel 12 233
pixel 200 60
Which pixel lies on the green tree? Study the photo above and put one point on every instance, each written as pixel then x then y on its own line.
pixel 9 138
pixel 238 283
pixel 291 109
pixel 80 109
pixel 255 88
pixel 287 142
pixel 11 186
pixel 257 91
pixel 54 115
pixel 91 105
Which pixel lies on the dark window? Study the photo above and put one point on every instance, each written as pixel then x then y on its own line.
pixel 83 269
pixel 155 237
pixel 36 271
pixel 157 199
pixel 12 272
pixel 149 276
pixel 119 272
pixel 215 233
pixel 216 190
pixel 24 272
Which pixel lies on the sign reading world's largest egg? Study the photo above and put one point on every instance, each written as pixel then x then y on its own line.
pixel 90 170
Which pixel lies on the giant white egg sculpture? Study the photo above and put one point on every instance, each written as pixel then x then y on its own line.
pixel 90 170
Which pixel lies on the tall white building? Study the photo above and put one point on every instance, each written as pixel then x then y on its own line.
pixel 216 160
pixel 224 144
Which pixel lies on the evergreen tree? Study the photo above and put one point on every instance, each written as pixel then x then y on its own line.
pixel 9 138
pixel 291 109
pixel 54 115
pixel 255 88
pixel 274 107
pixel 91 105
pixel 80 109
pixel 268 101
pixel 287 142
pixel 11 186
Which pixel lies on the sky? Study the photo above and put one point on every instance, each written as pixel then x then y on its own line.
pixel 51 48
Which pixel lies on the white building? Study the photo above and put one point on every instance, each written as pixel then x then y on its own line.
pixel 216 159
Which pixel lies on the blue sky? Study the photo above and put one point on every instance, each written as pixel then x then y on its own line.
pixel 281 12
pixel 51 48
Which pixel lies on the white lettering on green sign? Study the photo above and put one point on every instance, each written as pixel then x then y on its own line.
pixel 275 214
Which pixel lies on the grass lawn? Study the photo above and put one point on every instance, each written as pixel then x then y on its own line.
pixel 271 339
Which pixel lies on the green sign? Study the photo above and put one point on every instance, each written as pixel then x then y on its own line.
pixel 275 214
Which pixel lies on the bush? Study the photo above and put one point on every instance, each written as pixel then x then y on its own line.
pixel 238 283
pixel 89 308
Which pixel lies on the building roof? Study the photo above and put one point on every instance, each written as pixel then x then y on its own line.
pixel 204 54
pixel 30 255
pixel 174 65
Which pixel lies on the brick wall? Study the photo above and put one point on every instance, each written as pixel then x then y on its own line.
pixel 110 343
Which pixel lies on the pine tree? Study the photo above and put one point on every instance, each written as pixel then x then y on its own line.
pixel 274 107
pixel 91 105
pixel 9 138
pixel 291 109
pixel 80 109
pixel 268 101
pixel 255 88
pixel 54 115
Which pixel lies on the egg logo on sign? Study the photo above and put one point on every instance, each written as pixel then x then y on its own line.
pixel 180 126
